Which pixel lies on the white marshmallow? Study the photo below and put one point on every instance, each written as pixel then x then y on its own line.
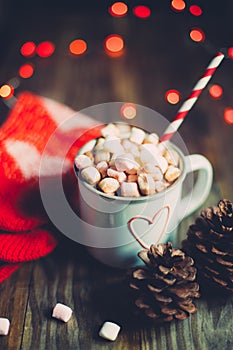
pixel 88 146
pixel 99 144
pixel 4 326
pixel 146 184
pixel 62 312
pixel 162 148
pixel 124 130
pixel 109 331
pixel 109 129
pixel 137 135
pixel 109 185
pixel 82 161
pixel 155 172
pixel 129 189
pixel 91 175
pixel 102 167
pixel 172 157
pixel 126 162
pixel 102 156
pixel 172 173
pixel 118 175
pixel 151 138
pixel 148 152
pixel 160 186
pixel 90 155
pixel 113 144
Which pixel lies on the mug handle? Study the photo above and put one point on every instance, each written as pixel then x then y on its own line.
pixel 194 199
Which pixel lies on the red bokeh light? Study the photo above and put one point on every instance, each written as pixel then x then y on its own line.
pixel 118 9
pixel 197 35
pixel 195 10
pixel 78 47
pixel 142 11
pixel 228 115
pixel 45 49
pixel 230 52
pixel 26 70
pixel 114 45
pixel 6 91
pixel 172 96
pixel 216 91
pixel 178 5
pixel 128 111
pixel 28 49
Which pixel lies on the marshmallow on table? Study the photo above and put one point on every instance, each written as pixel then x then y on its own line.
pixel 62 312
pixel 4 326
pixel 109 331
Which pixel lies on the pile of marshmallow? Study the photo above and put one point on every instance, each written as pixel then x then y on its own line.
pixel 127 161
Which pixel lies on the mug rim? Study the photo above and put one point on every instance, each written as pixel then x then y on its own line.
pixel 135 199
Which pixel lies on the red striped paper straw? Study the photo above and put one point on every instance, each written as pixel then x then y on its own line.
pixel 189 102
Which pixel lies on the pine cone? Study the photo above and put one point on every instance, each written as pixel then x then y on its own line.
pixel 210 243
pixel 165 286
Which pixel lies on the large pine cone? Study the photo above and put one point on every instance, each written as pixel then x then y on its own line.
pixel 165 286
pixel 210 243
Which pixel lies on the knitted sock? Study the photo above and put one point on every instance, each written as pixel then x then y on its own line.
pixel 23 138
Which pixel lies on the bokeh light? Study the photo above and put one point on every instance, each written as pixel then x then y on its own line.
pixel 230 52
pixel 197 35
pixel 28 49
pixel 78 47
pixel 114 44
pixel 178 5
pixel 172 96
pixel 142 11
pixel 45 49
pixel 26 70
pixel 228 115
pixel 215 91
pixel 6 91
pixel 195 10
pixel 118 9
pixel 128 111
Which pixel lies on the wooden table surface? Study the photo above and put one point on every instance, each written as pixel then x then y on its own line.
pixel 159 56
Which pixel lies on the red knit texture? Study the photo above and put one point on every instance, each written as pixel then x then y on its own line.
pixel 23 138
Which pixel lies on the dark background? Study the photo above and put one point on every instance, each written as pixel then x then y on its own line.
pixel 158 56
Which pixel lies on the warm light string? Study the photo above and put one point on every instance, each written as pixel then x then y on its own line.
pixel 114 47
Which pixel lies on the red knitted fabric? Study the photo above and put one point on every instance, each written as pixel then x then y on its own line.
pixel 23 138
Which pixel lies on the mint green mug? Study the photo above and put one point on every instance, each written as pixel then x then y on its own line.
pixel 117 228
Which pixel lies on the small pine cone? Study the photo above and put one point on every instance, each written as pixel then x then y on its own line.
pixel 165 286
pixel 210 242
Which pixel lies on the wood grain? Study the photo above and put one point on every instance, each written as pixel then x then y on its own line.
pixel 151 65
